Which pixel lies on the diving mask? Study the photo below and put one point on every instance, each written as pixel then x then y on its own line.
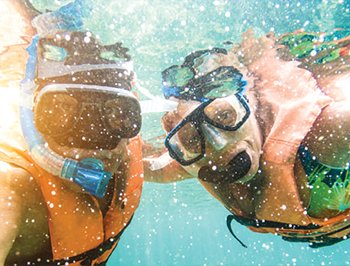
pixel 83 97
pixel 87 116
pixel 62 86
pixel 186 143
pixel 201 77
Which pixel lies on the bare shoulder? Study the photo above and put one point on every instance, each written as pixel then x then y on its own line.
pixel 15 180
pixel 329 138
pixel 23 216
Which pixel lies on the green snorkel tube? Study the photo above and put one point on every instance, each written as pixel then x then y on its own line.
pixel 88 173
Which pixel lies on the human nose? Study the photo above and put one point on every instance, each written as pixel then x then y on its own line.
pixel 214 137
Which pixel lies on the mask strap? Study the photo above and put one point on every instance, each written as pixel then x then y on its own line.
pixel 155 104
pixel 229 226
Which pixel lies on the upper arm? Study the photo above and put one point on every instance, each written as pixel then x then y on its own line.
pixel 171 172
pixel 329 137
pixel 23 215
pixel 11 208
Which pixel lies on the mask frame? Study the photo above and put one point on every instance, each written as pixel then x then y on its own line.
pixel 196 118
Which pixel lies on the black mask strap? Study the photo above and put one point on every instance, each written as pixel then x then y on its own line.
pixel 229 219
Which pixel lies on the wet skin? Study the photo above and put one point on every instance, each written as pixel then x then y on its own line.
pixel 327 139
pixel 23 211
pixel 218 170
pixel 29 224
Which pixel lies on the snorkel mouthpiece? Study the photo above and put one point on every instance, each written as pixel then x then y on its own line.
pixel 87 173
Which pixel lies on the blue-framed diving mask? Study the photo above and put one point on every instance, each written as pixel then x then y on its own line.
pixel 193 81
pixel 77 92
pixel 84 101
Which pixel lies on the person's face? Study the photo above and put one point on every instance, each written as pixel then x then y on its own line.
pixel 223 171
pixel 238 152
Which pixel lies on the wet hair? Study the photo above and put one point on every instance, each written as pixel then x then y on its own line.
pixel 170 122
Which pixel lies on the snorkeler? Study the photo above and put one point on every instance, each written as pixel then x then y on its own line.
pixel 69 187
pixel 264 135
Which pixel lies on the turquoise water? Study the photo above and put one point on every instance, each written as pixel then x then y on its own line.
pixel 181 224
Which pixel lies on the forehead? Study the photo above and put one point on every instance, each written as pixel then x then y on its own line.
pixel 185 107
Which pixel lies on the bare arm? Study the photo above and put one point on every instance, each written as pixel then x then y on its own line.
pixel 23 217
pixel 10 212
pixel 157 155
pixel 172 172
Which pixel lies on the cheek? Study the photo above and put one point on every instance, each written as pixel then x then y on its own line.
pixel 235 137
pixel 169 121
pixel 111 165
pixel 194 168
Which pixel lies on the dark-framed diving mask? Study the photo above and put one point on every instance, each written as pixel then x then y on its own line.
pixel 86 115
pixel 202 78
pixel 186 142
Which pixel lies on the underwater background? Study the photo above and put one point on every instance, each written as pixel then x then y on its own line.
pixel 180 223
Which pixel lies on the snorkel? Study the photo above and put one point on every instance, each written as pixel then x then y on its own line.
pixel 88 173
pixel 154 104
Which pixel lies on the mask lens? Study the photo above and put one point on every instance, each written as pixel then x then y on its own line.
pixel 87 116
pixel 123 114
pixel 228 112
pixel 222 82
pixel 187 143
pixel 55 112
